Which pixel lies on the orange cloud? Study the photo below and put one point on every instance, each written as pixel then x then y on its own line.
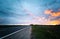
pixel 48 11
pixel 53 14
pixel 43 20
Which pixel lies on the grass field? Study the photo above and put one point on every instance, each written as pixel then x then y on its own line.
pixel 45 32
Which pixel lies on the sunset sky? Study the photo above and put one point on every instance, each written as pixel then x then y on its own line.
pixel 42 12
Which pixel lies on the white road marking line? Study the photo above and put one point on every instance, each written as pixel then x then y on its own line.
pixel 13 33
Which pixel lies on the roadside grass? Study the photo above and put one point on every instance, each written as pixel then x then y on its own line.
pixel 45 32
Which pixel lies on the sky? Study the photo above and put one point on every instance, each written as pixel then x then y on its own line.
pixel 42 12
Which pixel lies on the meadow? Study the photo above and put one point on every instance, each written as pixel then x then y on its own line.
pixel 45 32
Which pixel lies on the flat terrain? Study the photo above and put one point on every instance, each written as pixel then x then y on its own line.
pixel 45 32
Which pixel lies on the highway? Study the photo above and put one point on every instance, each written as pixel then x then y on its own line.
pixel 15 32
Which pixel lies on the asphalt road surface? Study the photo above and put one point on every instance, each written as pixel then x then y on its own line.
pixel 6 31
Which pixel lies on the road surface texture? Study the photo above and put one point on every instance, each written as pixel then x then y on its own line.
pixel 15 32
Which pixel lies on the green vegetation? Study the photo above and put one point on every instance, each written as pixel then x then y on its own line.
pixel 45 32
